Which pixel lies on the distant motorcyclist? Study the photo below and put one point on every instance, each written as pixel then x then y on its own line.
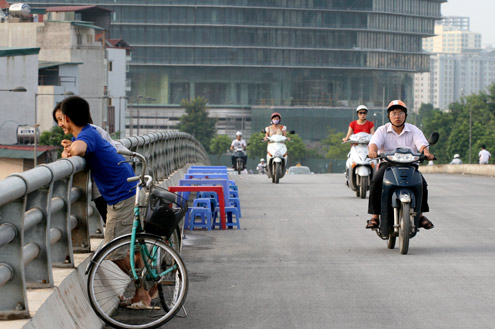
pixel 275 128
pixel 457 160
pixel 238 143
pixel 396 133
pixel 261 167
pixel 361 124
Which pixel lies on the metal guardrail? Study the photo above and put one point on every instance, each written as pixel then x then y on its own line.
pixel 46 214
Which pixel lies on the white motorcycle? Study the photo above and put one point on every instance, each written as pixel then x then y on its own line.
pixel 359 167
pixel 276 157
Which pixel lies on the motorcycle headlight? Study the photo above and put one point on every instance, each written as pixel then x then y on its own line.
pixel 364 140
pixel 403 158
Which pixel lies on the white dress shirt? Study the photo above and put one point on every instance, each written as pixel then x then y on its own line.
pixel 387 140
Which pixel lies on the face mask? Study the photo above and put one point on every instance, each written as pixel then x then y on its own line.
pixel 275 121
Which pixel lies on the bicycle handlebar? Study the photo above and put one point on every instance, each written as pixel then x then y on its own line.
pixel 133 179
pixel 145 180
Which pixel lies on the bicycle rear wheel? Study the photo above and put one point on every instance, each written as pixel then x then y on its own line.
pixel 161 272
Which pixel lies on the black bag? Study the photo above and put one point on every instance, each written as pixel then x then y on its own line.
pixel 162 214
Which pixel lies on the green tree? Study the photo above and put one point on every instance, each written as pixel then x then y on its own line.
pixel 256 148
pixel 219 145
pixel 53 136
pixel 334 147
pixel 295 148
pixel 196 121
pixel 473 116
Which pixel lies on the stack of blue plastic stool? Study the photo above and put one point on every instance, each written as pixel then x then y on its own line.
pixel 201 210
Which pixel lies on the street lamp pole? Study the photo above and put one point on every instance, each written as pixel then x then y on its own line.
pixel 383 106
pixel 470 130
pixel 139 97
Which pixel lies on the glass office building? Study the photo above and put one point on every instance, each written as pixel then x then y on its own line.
pixel 242 53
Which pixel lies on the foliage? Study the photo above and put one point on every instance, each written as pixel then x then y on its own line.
pixel 256 148
pixel 220 144
pixel 334 147
pixel 295 148
pixel 473 116
pixel 53 136
pixel 196 121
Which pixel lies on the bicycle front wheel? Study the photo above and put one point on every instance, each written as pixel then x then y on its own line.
pixel 161 274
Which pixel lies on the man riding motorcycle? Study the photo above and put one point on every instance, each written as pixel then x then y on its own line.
pixel 238 143
pixel 396 133
pixel 261 167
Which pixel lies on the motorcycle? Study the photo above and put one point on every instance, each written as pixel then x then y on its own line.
pixel 261 169
pixel 402 194
pixel 276 157
pixel 358 167
pixel 239 155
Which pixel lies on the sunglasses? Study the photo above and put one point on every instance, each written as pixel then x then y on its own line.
pixel 362 112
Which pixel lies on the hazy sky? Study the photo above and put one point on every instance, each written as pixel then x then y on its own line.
pixel 481 14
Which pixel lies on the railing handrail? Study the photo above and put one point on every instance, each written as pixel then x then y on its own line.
pixel 46 214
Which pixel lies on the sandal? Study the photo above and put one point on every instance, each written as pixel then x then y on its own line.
pixel 425 223
pixel 372 223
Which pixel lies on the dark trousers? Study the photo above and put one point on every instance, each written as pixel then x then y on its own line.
pixel 375 199
pixel 101 205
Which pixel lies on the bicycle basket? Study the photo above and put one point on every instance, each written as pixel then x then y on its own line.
pixel 163 213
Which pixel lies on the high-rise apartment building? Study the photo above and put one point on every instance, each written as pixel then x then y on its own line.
pixel 458 65
pixel 243 53
pixel 451 39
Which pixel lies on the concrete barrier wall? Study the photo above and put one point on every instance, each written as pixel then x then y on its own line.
pixel 464 169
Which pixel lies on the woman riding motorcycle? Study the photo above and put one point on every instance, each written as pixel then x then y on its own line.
pixel 361 124
pixel 275 128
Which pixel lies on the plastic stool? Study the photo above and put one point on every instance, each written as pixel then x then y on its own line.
pixel 230 212
pixel 206 194
pixel 204 215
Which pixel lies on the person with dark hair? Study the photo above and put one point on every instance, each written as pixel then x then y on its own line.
pixel 484 155
pixel 96 196
pixel 396 133
pixel 110 174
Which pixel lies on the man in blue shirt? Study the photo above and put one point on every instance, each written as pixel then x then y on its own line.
pixel 110 177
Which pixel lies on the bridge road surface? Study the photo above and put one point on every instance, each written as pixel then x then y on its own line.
pixel 303 259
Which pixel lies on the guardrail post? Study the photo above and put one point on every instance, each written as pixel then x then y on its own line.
pixel 95 221
pixel 13 301
pixel 38 272
pixel 79 209
pixel 59 205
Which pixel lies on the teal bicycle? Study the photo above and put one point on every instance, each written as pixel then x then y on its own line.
pixel 155 267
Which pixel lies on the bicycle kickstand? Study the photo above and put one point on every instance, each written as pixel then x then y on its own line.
pixel 184 315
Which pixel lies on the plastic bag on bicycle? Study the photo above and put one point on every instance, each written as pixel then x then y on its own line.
pixel 161 218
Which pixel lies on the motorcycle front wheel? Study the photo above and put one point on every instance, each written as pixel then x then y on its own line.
pixel 363 187
pixel 278 171
pixel 405 227
pixel 239 165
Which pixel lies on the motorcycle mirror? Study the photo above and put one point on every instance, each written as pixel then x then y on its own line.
pixel 292 132
pixel 433 138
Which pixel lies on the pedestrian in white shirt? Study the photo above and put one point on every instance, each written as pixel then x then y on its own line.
pixel 484 155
